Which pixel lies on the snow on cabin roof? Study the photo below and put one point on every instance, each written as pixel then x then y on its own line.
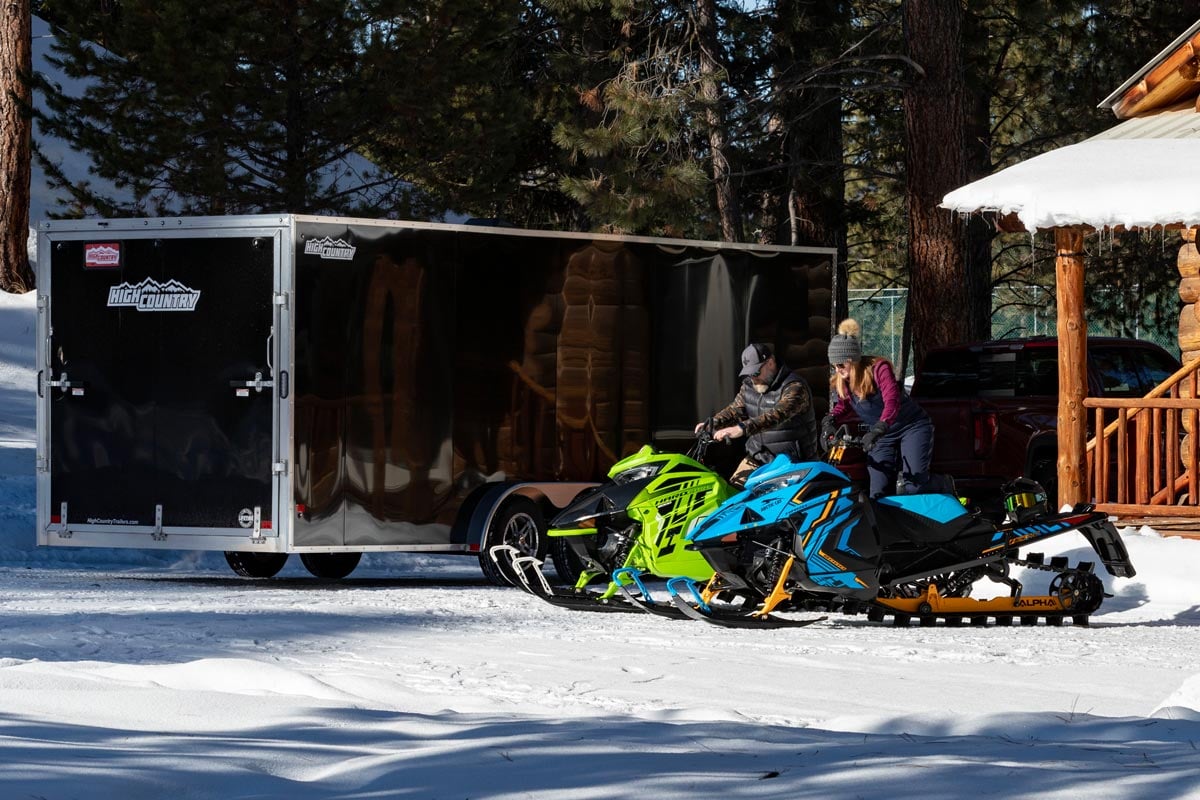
pixel 1142 173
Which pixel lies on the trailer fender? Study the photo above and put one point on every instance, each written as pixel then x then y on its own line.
pixel 476 513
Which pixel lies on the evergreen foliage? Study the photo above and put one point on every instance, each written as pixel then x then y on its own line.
pixel 221 107
pixel 588 115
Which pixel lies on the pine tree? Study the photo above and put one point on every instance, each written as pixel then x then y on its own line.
pixel 223 107
pixel 935 163
pixel 644 138
pixel 465 119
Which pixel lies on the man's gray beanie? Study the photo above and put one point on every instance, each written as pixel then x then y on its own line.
pixel 843 348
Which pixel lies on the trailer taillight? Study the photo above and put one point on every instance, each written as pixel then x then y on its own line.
pixel 265 524
pixel 55 520
pixel 300 509
pixel 985 433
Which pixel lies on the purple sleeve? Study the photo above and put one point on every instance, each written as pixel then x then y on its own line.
pixel 892 394
pixel 840 409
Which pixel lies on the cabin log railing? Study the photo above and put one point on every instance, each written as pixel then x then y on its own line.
pixel 1143 461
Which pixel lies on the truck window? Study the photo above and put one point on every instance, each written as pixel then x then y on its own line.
pixel 1154 368
pixel 1022 372
pixel 1041 373
pixel 1117 371
pixel 949 374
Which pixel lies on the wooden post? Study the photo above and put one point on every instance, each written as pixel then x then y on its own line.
pixel 1072 366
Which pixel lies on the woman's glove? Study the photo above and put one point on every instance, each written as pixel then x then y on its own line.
pixel 828 431
pixel 871 436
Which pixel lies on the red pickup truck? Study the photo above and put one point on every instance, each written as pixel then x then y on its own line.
pixel 994 405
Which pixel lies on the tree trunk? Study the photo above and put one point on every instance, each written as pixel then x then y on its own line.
pixel 15 128
pixel 811 209
pixel 978 155
pixel 934 118
pixel 710 91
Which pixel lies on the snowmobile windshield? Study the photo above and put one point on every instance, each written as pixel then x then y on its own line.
pixel 609 501
pixel 638 473
pixel 780 482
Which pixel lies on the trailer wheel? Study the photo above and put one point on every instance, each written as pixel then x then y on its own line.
pixel 518 523
pixel 331 566
pixel 256 565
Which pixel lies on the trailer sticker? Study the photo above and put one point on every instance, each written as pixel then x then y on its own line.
pixel 336 249
pixel 150 295
pixel 102 255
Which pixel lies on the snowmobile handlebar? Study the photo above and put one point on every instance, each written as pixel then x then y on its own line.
pixel 704 438
pixel 841 441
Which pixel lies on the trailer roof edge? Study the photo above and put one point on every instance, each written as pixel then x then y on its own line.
pixel 284 220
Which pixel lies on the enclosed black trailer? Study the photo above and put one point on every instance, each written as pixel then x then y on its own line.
pixel 265 385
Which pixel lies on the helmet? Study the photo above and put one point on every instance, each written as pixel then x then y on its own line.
pixel 1025 498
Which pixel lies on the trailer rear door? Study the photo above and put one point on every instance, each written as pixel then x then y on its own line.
pixel 160 391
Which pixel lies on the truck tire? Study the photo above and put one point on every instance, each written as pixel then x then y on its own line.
pixel 256 565
pixel 331 566
pixel 519 523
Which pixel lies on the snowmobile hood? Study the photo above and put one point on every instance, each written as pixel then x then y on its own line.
pixel 774 492
pixel 602 501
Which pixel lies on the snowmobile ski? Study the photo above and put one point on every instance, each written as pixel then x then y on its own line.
pixel 526 573
pixel 727 619
pixel 642 599
pixel 502 556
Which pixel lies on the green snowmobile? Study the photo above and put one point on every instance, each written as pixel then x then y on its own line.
pixel 628 527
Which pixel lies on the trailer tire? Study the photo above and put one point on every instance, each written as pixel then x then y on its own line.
pixel 331 566
pixel 255 565
pixel 519 523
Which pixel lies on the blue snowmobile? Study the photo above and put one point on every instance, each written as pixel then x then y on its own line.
pixel 801 536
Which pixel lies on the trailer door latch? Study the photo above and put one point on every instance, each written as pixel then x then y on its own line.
pixel 258 384
pixel 76 388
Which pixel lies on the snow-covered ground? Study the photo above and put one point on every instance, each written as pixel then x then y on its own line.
pixel 127 674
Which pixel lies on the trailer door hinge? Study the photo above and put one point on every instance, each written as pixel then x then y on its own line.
pixel 43 464
pixel 279 468
pixel 281 299
pixel 64 530
pixel 158 534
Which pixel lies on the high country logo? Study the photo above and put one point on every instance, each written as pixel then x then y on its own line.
pixel 336 249
pixel 101 255
pixel 150 295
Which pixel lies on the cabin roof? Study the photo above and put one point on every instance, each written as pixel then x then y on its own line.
pixel 1164 80
pixel 1113 180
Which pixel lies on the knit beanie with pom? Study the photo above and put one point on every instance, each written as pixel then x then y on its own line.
pixel 845 345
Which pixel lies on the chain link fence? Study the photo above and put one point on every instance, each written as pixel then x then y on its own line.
pixel 1022 311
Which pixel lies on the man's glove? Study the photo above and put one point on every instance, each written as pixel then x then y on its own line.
pixel 828 431
pixel 871 436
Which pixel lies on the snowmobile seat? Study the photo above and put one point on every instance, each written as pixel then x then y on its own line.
pixel 922 517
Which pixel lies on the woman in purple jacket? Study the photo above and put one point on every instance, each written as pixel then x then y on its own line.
pixel 899 440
